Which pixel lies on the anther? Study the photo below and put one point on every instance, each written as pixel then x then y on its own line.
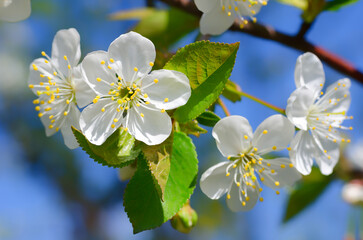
pixel 277 192
pixel 135 69
pixel 162 110
pixel 261 199
pixel 277 183
pixel 274 148
pixel 103 110
pixel 111 60
pixel 43 53
pixel 65 57
pixel 228 196
pixel 142 115
pixel 166 100
pixel 65 113
pixel 31 86
pixel 246 137
pixel 151 64
pixel 37 108
pixel 265 132
pixel 98 79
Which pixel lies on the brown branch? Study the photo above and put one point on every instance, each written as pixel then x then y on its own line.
pixel 296 42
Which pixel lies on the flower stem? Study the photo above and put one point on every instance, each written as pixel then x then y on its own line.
pixel 225 109
pixel 266 104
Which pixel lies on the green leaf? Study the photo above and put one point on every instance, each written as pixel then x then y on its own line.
pixel 192 128
pixel 118 150
pixel 158 160
pixel 232 91
pixel 139 13
pixel 165 27
pixel 208 66
pixel 335 5
pixel 208 118
pixel 141 200
pixel 306 193
pixel 301 4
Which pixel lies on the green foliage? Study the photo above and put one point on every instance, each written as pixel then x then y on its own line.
pixel 306 193
pixel 119 149
pixel 142 203
pixel 162 27
pixel 335 5
pixel 232 91
pixel 192 127
pixel 158 158
pixel 208 66
pixel 301 4
pixel 208 118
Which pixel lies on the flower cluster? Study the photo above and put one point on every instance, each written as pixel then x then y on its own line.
pixel 117 83
pixel 318 117
pixel 219 15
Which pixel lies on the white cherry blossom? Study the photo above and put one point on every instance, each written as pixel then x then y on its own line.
pixel 219 15
pixel 238 177
pixel 318 116
pixel 127 95
pixel 14 10
pixel 58 83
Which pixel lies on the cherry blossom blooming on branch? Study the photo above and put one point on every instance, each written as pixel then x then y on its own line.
pixel 127 95
pixel 58 83
pixel 219 15
pixel 244 150
pixel 319 116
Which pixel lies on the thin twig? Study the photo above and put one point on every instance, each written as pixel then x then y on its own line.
pixel 264 103
pixel 224 107
pixel 265 32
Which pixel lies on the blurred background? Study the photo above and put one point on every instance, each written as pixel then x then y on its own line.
pixel 50 192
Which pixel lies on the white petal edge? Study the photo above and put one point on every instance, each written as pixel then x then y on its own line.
pixel 84 93
pixel 235 203
pixel 66 42
pixel 153 128
pixel 95 124
pixel 215 22
pixel 298 106
pixel 302 152
pixel 309 72
pixel 135 52
pixel 72 120
pixel 230 133
pixel 286 176
pixel 16 11
pixel 214 183
pixel 206 5
pixel 93 69
pixel 171 90
pixel 273 134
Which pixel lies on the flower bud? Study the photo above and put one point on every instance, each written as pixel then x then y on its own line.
pixel 352 192
pixel 185 219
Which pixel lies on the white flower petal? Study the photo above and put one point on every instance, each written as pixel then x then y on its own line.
pixel 34 75
pixel 153 128
pixel 133 51
pixel 309 72
pixel 95 124
pixel 246 9
pixel 66 43
pixel 214 183
pixel 171 90
pixel 215 21
pixel 235 202
pixel 206 5
pixel 274 133
pixel 283 174
pixel 16 10
pixel 93 70
pixel 72 120
pixel 46 123
pixel 298 106
pixel 233 135
pixel 326 160
pixel 302 152
pixel 84 93
pixel 337 97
